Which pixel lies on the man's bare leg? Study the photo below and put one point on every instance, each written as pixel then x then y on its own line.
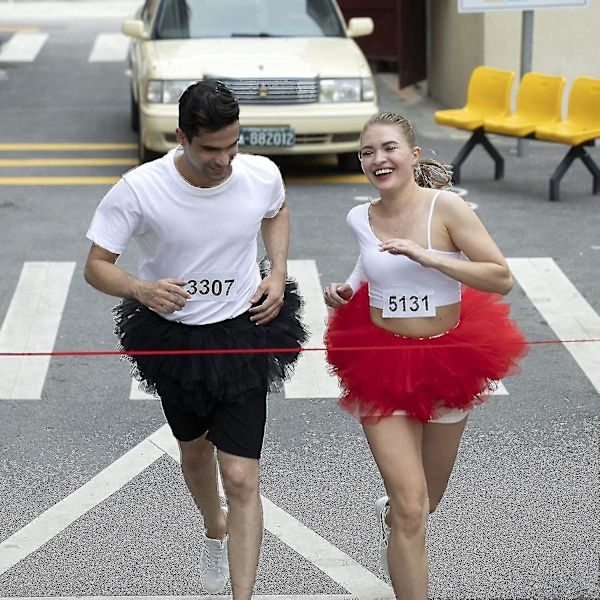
pixel 199 467
pixel 245 521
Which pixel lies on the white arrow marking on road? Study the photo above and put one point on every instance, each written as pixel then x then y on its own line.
pixel 31 325
pixel 340 567
pixel 566 311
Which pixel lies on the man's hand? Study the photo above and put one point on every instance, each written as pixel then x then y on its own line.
pixel 165 296
pixel 271 288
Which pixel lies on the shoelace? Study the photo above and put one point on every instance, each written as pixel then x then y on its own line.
pixel 385 528
pixel 213 556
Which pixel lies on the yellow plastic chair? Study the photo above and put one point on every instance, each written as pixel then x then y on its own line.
pixel 488 95
pixel 539 102
pixel 581 128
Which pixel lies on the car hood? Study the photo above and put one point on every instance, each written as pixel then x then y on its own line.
pixel 255 58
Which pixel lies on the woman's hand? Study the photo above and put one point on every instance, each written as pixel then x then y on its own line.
pixel 337 294
pixel 407 248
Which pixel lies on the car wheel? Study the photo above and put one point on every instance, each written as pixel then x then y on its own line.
pixel 348 162
pixel 135 113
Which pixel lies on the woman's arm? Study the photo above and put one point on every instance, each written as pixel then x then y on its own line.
pixel 486 269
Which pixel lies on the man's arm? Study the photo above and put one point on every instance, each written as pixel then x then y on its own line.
pixel 276 237
pixel 165 296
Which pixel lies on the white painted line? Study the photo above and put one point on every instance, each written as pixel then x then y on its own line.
pixel 31 325
pixel 109 47
pixel 56 519
pixel 344 570
pixel 566 311
pixel 22 47
pixel 136 394
pixel 311 378
pixel 336 564
pixel 61 10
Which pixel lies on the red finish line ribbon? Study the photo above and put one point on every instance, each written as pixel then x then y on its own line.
pixel 74 353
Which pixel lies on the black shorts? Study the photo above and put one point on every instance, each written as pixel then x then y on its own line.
pixel 237 429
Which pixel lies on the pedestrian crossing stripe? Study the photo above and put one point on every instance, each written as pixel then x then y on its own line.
pixel 22 46
pixel 25 46
pixel 30 327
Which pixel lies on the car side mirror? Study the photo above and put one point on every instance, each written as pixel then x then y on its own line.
pixel 360 26
pixel 135 29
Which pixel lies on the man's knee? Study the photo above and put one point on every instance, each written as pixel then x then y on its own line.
pixel 240 476
pixel 196 455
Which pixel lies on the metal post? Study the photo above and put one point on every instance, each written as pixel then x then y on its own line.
pixel 526 64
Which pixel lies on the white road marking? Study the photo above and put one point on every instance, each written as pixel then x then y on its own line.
pixel 31 325
pixel 22 47
pixel 109 47
pixel 566 311
pixel 311 378
pixel 60 10
pixel 344 570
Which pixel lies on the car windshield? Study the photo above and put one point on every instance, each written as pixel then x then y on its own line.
pixel 180 19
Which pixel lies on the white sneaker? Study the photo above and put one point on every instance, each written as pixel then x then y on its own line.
pixel 382 507
pixel 214 563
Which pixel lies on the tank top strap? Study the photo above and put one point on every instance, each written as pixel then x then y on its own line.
pixel 430 219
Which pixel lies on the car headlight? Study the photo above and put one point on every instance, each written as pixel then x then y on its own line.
pixel 346 90
pixel 165 92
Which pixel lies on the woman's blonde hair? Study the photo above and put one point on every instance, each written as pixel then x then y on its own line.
pixel 429 173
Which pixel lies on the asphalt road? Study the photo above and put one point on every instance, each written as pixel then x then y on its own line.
pixel 92 502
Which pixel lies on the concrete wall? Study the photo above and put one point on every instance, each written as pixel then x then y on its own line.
pixel 565 42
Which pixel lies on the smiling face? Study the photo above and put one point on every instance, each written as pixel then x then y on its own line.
pixel 206 159
pixel 387 158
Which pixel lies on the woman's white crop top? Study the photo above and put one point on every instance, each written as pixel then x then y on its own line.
pixel 383 270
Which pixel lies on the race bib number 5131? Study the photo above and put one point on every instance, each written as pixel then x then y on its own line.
pixel 212 286
pixel 407 301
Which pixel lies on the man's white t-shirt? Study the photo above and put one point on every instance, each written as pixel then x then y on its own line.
pixel 205 236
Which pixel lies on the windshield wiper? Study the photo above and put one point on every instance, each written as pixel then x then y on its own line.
pixel 262 34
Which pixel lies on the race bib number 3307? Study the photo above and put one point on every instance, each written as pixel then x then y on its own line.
pixel 407 302
pixel 220 287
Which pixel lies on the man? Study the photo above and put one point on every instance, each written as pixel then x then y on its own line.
pixel 195 215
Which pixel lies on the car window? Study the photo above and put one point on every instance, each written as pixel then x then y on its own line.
pixel 247 18
pixel 149 10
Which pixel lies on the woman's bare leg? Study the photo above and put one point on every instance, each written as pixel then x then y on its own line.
pixel 396 446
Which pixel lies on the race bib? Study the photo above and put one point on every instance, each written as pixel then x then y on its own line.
pixel 402 302
pixel 220 287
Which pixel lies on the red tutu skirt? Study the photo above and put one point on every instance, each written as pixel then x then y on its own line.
pixel 381 372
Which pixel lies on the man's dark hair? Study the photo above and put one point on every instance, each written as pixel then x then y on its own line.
pixel 207 105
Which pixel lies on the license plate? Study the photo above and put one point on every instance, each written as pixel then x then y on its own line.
pixel 267 137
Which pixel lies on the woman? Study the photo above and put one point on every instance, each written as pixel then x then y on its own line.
pixel 419 337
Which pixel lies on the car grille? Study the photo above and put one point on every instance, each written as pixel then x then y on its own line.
pixel 274 91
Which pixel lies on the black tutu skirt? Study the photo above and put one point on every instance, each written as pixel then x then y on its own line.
pixel 211 372
pixel 380 372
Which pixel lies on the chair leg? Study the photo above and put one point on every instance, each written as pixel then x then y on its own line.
pixel 478 137
pixel 563 167
pixel 592 167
